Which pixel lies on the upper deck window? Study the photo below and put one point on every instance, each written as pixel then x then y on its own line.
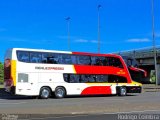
pixel 112 61
pixel 106 61
pixel 84 60
pixel 23 56
pixel 50 58
pixel 35 57
pixel 61 58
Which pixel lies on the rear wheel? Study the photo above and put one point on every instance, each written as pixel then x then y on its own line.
pixel 122 91
pixel 45 93
pixel 60 92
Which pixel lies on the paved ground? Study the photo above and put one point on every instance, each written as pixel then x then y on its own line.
pixel 80 105
pixel 79 108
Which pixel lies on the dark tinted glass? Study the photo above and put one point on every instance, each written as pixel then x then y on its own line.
pixel 50 58
pixel 59 58
pixel 35 57
pixel 23 56
pixel 84 60
pixel 82 78
pixel 115 62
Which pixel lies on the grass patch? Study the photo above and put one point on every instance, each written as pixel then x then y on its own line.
pixel 1 86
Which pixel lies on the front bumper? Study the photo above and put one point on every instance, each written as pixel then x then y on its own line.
pixel 134 89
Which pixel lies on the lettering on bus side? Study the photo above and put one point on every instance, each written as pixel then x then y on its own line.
pixel 49 68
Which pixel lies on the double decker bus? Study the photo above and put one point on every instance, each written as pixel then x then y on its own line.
pixel 38 72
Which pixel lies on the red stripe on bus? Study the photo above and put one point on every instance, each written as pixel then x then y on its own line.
pixel 82 69
pixel 97 90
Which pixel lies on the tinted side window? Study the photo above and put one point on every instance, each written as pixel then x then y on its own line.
pixel 97 60
pixel 84 60
pixel 82 78
pixel 71 78
pixel 23 56
pixel 50 58
pixel 35 57
pixel 101 78
pixel 115 62
pixel 116 79
pixel 66 59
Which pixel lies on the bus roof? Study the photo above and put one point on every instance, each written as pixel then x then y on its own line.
pixel 67 52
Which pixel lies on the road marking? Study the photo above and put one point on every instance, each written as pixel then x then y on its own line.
pixel 58 117
pixel 12 103
pixel 114 99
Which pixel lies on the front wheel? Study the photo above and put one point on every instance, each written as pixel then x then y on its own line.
pixel 122 91
pixel 60 92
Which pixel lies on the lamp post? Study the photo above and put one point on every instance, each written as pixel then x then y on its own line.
pixel 154 43
pixel 68 30
pixel 99 6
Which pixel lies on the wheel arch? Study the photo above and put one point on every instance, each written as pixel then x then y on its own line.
pixel 118 89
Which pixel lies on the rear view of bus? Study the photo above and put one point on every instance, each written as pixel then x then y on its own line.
pixel 9 72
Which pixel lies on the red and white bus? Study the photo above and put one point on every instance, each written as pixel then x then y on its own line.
pixel 37 72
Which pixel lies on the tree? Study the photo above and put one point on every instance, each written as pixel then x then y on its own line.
pixel 1 73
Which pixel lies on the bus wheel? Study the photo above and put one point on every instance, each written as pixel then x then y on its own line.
pixel 45 93
pixel 122 91
pixel 60 92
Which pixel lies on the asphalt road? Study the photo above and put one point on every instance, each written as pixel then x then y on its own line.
pixel 80 107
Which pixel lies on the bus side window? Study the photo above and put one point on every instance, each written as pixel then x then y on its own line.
pixel 35 57
pixel 50 58
pixel 115 62
pixel 97 60
pixel 91 78
pixel 66 59
pixel 66 77
pixel 84 60
pixel 93 60
pixel 101 78
pixel 84 78
pixel 74 59
pixel 106 61
pixel 74 78
pixel 53 58
pixel 23 56
pixel 44 57
pixel 116 79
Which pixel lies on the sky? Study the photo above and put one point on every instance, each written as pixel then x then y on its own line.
pixel 41 24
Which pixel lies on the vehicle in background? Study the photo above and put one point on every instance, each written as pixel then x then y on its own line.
pixel 36 72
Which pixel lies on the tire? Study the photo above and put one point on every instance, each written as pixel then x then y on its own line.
pixel 122 91
pixel 60 92
pixel 45 93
